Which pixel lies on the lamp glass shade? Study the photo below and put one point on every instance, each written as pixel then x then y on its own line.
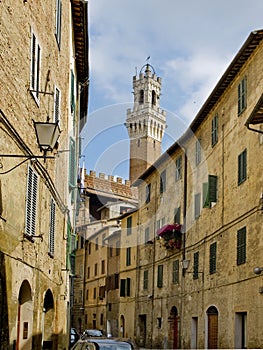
pixel 185 264
pixel 47 135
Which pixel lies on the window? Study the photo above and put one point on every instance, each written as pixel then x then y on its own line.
pixel 198 151
pixel 58 21
pixel 72 163
pixel 141 97
pixel 214 132
pixel 241 246
pixel 87 294
pixel 35 67
pixel 125 288
pixel 242 95
pixel 118 248
pixel 94 293
pixel 56 104
pixel 210 191
pixel 25 330
pixel 160 276
pixel 129 225
pixel 103 267
pixel 31 202
pixel 153 98
pixel 176 272
pixel 146 235
pixel 242 167
pixel 163 182
pixel 101 319
pixel 52 221
pixel 96 243
pixel 128 256
pixel 177 215
pixel 89 248
pixel 178 168
pixel 72 93
pixel 95 269
pixel 88 273
pixel 212 258
pixel 197 205
pixel 145 279
pixel 102 290
pixel 196 265
pixel 148 193
pixel 158 224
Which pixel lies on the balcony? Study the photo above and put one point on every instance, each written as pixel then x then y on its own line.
pixel 170 236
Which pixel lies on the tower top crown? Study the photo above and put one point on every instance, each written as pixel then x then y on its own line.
pixel 149 70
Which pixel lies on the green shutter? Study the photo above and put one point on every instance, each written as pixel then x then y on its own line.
pixel 176 272
pixel 206 203
pixel 177 215
pixel 145 280
pixel 241 246
pixel 72 163
pixel 123 287
pixel 160 276
pixel 129 225
pixel 128 287
pixel 197 205
pixel 212 258
pixel 196 265
pixel 212 188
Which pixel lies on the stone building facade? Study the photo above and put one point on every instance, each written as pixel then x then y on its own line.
pixel 205 293
pixel 39 80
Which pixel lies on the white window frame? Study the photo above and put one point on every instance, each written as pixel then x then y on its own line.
pixel 31 202
pixel 35 64
pixel 58 21
pixel 52 225
pixel 57 100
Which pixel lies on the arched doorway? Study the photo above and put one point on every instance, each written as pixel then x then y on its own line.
pixel 24 317
pixel 173 331
pixel 48 320
pixel 212 327
pixel 122 326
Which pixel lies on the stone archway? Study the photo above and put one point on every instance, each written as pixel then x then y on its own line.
pixel 48 321
pixel 24 317
pixel 173 329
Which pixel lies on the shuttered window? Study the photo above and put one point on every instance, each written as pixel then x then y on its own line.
pixel 241 246
pixel 242 167
pixel 128 256
pixel 214 131
pixel 212 258
pixel 72 163
pixel 197 205
pixel 56 104
pixel 145 279
pixel 129 225
pixel 58 21
pixel 31 202
pixel 163 182
pixel 160 276
pixel 210 191
pixel 196 265
pixel 242 95
pixel 146 235
pixel 125 288
pixel 175 272
pixel 35 67
pixel 178 168
pixel 51 245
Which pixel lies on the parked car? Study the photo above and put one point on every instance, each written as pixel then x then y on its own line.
pixel 101 344
pixel 92 333
pixel 74 336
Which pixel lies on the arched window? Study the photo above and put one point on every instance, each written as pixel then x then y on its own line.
pixel 141 97
pixel 153 98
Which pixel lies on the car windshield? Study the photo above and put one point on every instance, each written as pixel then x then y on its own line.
pixel 93 333
pixel 115 346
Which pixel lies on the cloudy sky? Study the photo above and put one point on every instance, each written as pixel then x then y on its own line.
pixel 190 44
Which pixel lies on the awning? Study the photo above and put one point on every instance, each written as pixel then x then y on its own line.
pixel 168 228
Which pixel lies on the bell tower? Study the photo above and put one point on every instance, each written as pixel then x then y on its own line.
pixel 146 122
